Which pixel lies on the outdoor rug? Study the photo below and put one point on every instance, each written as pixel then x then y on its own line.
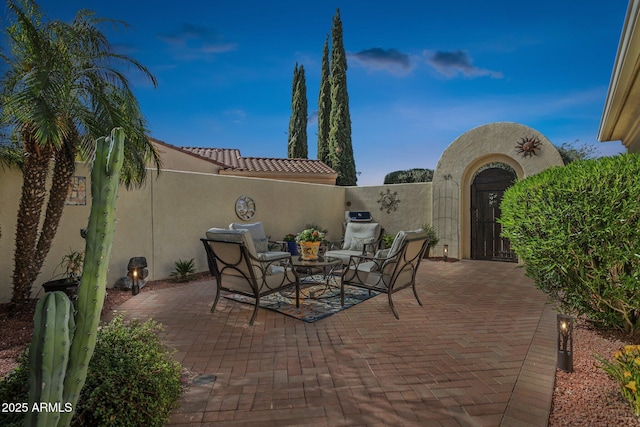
pixel 311 309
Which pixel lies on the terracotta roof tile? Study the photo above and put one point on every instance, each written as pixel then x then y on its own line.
pixel 227 156
pixel 231 157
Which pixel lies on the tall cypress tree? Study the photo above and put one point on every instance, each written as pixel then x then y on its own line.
pixel 340 148
pixel 324 106
pixel 297 146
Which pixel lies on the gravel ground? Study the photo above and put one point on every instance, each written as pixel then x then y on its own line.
pixel 587 397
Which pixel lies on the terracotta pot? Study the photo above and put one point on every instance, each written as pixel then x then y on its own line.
pixel 309 250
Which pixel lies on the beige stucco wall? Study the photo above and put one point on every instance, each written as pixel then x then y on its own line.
pixel 164 220
pixel 494 142
pixel 414 206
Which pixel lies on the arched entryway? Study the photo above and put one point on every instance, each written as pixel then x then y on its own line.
pixel 487 189
pixel 464 159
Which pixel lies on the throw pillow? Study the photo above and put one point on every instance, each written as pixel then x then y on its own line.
pixel 262 245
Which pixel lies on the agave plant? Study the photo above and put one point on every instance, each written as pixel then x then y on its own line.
pixel 184 270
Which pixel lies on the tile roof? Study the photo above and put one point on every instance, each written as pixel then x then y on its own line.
pixel 233 160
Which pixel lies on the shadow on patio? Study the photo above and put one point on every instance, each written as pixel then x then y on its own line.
pixel 480 352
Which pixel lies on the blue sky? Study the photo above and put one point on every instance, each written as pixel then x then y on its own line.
pixel 421 73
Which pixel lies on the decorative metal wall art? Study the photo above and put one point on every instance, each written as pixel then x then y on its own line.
pixel 528 146
pixel 77 195
pixel 245 207
pixel 389 201
pixel 493 200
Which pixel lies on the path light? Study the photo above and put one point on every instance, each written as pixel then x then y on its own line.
pixel 135 285
pixel 565 343
pixel 445 253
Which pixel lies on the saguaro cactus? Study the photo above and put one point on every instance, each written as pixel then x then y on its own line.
pixel 105 176
pixel 48 355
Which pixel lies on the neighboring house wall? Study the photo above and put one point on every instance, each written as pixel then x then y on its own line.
pixel 176 159
pixel 621 115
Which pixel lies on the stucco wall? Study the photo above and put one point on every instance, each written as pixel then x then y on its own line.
pixel 164 220
pixel 494 142
pixel 413 208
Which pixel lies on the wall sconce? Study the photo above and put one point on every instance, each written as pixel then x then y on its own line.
pixel 445 253
pixel 135 284
pixel 565 343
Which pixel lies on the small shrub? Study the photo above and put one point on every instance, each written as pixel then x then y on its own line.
pixel 14 388
pixel 576 229
pixel 625 370
pixel 132 380
pixel 184 270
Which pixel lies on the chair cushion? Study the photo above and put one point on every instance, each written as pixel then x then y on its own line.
pixel 362 233
pixel 257 234
pixel 397 243
pixel 240 235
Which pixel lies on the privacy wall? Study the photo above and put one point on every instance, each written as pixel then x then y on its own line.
pixel 164 220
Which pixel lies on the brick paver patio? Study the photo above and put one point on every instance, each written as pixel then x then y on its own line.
pixel 480 352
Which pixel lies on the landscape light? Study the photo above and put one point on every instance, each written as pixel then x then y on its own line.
pixel 565 342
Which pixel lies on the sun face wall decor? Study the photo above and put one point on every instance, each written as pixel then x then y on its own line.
pixel 245 208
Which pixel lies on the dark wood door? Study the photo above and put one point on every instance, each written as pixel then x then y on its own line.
pixel 486 194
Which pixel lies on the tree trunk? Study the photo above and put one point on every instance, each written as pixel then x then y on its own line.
pixel 35 171
pixel 61 179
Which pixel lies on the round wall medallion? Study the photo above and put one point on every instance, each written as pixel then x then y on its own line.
pixel 245 207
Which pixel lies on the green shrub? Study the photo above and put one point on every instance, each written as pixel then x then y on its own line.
pixel 625 370
pixel 132 380
pixel 577 230
pixel 184 270
pixel 14 388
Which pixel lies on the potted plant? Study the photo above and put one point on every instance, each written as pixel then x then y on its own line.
pixel 309 240
pixel 72 264
pixel 432 234
pixel 291 243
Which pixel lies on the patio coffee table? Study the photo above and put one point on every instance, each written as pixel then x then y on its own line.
pixel 317 272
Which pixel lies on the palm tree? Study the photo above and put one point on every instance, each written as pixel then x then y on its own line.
pixel 62 89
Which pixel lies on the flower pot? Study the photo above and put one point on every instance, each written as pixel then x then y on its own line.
pixel 309 250
pixel 67 285
pixel 293 248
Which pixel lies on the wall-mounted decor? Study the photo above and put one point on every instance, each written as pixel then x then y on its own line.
pixel 77 195
pixel 245 207
pixel 389 201
pixel 528 146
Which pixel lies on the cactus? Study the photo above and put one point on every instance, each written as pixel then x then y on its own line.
pixel 91 292
pixel 49 354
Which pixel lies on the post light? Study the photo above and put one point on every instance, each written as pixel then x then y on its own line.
pixel 445 253
pixel 565 342
pixel 135 285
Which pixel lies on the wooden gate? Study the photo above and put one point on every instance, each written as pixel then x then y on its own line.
pixel 487 190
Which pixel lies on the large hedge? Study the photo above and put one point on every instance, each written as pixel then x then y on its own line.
pixel 577 229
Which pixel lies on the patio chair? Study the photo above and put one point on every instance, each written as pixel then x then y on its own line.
pixel 359 239
pixel 390 270
pixel 239 269
pixel 260 239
